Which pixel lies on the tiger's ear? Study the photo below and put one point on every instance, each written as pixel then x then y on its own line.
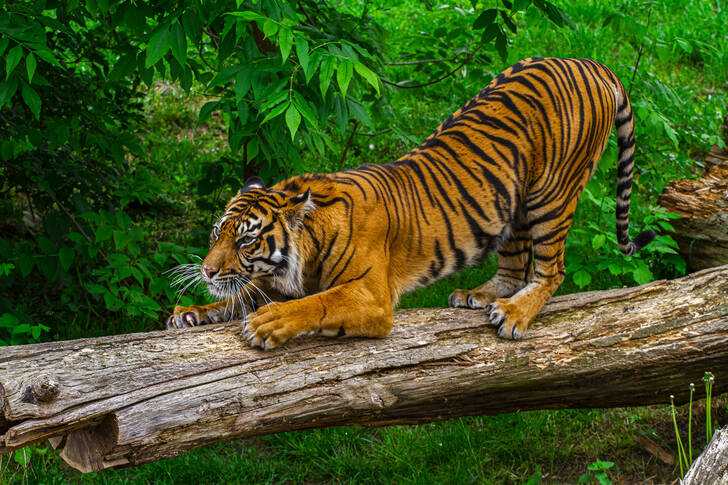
pixel 297 208
pixel 252 183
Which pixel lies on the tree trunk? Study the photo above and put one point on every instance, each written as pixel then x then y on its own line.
pixel 711 467
pixel 131 399
pixel 702 232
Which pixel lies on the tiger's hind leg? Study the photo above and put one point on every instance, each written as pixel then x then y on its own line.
pixel 513 315
pixel 514 271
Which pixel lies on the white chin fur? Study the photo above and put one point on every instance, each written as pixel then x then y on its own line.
pixel 217 291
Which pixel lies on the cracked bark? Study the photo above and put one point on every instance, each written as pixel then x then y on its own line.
pixel 129 399
pixel 702 230
pixel 712 464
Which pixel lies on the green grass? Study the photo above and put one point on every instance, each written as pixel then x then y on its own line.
pixel 501 449
pixel 686 88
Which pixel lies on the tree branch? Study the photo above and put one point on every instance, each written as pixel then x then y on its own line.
pixel 435 81
pixel 423 61
pixel 130 399
pixel 348 144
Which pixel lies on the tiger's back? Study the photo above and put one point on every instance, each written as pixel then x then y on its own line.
pixel 502 173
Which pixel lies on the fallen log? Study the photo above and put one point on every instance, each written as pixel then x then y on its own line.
pixel 712 464
pixel 130 399
pixel 702 231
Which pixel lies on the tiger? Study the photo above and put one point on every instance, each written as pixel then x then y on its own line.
pixel 332 253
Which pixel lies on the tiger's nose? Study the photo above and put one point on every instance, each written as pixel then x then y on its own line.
pixel 210 272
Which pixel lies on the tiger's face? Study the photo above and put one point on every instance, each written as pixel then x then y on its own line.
pixel 255 238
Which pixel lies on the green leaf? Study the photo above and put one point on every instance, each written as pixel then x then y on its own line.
pixel 12 60
pixel 96 289
pixel 305 109
pixel 326 73
pixel 31 98
pixel 508 21
pixel 48 56
pixel 500 45
pixel 293 119
pixel 225 75
pixel 302 53
pixel 367 74
pixel 35 332
pixel 598 241
pixel 357 111
pixel 7 90
pixel 178 43
pixel 22 328
pixel 4 41
pixel 66 256
pixel 486 18
pixel 8 320
pixel 157 285
pixel 313 64
pixel 252 150
pixel 285 41
pixel 642 275
pixel 158 45
pixel 489 33
pixel 30 64
pixel 520 5
pixel 25 263
pixel 103 233
pixel 275 112
pixel 599 465
pixel 248 15
pixel 536 478
pixel 602 479
pixel 242 84
pixel 121 239
pixel 192 25
pixel 344 73
pixel 582 278
pixel 206 111
pixel 46 245
pixel 22 456
pixel 123 67
pixel 269 28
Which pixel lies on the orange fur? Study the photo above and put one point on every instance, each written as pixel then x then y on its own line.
pixel 503 173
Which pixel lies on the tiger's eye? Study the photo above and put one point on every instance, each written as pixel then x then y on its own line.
pixel 246 240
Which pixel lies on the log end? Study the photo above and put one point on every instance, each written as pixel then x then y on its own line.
pixel 86 449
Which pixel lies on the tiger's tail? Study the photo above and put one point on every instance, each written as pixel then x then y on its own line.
pixel 624 122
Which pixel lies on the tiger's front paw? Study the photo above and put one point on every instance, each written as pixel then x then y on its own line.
pixel 192 316
pixel 510 320
pixel 268 328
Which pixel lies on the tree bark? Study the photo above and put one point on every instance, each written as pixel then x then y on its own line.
pixel 131 399
pixel 702 232
pixel 711 467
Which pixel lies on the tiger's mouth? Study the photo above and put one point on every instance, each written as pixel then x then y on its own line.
pixel 225 288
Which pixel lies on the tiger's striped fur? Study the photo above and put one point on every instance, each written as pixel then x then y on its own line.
pixel 504 173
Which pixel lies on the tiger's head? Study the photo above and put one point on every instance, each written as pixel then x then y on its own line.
pixel 257 237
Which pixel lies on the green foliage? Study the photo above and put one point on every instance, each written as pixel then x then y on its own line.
pixel 124 126
pixel 685 457
pixel 71 115
pixel 597 473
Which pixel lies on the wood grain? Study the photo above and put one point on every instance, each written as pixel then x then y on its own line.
pixel 711 467
pixel 130 399
pixel 702 230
